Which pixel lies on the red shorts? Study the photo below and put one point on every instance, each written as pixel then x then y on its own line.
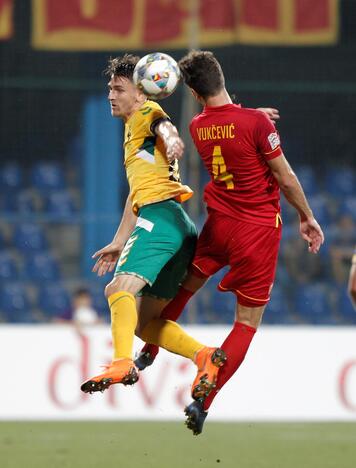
pixel 251 251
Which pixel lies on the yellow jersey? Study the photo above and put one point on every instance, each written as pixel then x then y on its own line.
pixel 151 177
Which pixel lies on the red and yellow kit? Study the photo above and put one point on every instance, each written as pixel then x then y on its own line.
pixel 243 228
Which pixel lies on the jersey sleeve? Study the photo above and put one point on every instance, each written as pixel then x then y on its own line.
pixel 153 115
pixel 267 137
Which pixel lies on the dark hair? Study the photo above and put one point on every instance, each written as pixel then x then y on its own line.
pixel 82 291
pixel 122 66
pixel 202 72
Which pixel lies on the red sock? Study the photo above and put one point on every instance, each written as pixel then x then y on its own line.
pixel 235 346
pixel 172 311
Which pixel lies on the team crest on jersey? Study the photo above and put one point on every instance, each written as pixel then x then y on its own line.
pixel 274 141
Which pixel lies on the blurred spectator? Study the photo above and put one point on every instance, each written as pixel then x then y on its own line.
pixel 82 311
pixel 342 248
pixel 352 280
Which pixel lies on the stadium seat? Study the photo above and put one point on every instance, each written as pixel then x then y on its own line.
pixel 224 306
pixel 312 303
pixel 320 206
pixel 60 203
pixel 340 182
pixel 8 267
pixel 308 180
pixel 100 303
pixel 278 309
pixel 345 308
pixel 53 299
pixel 15 304
pixel 20 202
pixel 348 207
pixel 47 176
pixel 11 177
pixel 41 266
pixel 29 238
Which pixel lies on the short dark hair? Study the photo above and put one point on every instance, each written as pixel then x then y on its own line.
pixel 81 291
pixel 202 72
pixel 122 66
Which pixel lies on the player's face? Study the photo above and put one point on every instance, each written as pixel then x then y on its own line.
pixel 123 97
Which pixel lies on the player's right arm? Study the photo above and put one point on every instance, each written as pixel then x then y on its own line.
pixel 169 135
pixel 109 255
pixel 293 191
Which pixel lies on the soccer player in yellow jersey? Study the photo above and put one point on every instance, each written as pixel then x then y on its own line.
pixel 154 243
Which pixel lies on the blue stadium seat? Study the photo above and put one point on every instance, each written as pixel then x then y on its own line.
pixel 11 177
pixel 348 207
pixel 60 203
pixel 19 202
pixel 8 267
pixel 308 180
pixel 53 299
pixel 41 266
pixel 340 182
pixel 29 238
pixel 100 303
pixel 345 308
pixel 224 306
pixel 312 303
pixel 278 309
pixel 320 206
pixel 2 240
pixel 15 304
pixel 47 176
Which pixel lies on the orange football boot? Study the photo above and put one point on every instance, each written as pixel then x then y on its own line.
pixel 208 361
pixel 119 371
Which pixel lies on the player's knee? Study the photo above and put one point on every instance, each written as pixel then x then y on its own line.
pixel 113 287
pixel 250 316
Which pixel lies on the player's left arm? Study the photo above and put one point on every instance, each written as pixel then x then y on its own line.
pixel 169 135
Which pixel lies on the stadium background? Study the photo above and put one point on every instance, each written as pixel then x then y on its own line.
pixel 62 187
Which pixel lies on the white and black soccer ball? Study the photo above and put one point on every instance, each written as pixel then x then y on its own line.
pixel 157 75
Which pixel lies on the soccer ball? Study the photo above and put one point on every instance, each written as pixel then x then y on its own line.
pixel 157 75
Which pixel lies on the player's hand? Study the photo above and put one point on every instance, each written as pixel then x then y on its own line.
pixel 312 233
pixel 272 114
pixel 107 258
pixel 174 148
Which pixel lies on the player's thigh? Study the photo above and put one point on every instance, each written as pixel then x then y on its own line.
pixel 253 260
pixel 172 274
pixel 211 251
pixel 251 316
pixel 148 308
pixel 130 283
pixel 160 232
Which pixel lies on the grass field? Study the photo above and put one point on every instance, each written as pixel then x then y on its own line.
pixel 171 445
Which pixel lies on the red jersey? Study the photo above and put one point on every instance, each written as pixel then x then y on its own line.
pixel 235 145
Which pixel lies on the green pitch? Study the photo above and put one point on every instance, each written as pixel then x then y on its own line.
pixel 171 445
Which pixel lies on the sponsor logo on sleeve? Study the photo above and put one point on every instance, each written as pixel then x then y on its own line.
pixel 274 141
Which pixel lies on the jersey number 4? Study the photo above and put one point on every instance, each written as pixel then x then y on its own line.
pixel 219 169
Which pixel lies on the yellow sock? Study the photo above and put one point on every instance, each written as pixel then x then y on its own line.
pixel 123 323
pixel 170 336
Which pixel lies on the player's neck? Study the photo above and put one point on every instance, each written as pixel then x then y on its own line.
pixel 219 100
pixel 138 104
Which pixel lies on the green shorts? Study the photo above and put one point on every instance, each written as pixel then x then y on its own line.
pixel 160 248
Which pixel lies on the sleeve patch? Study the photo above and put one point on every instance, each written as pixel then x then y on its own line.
pixel 274 140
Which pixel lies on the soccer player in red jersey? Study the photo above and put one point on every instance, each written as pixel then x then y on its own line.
pixel 241 150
